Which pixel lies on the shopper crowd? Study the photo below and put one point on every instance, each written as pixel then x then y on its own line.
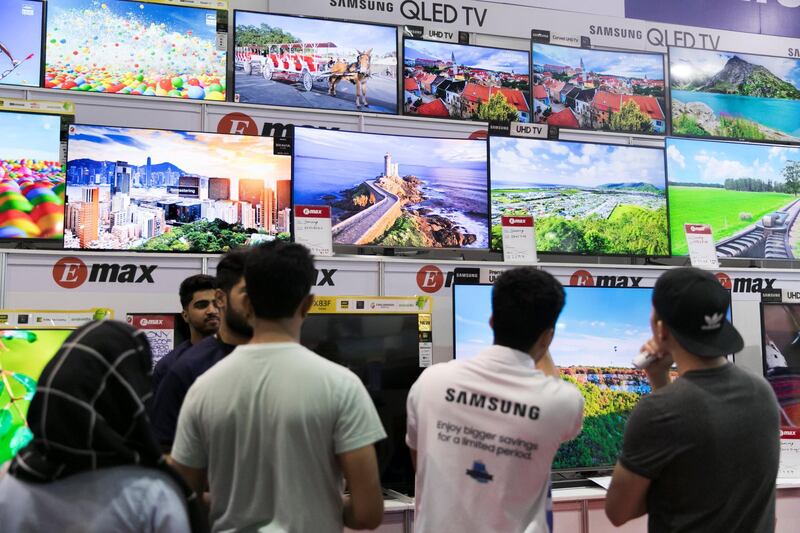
pixel 241 428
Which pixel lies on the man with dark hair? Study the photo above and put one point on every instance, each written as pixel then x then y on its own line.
pixel 274 427
pixel 700 453
pixel 199 303
pixel 483 432
pixel 233 331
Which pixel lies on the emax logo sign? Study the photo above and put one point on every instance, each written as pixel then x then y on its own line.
pixel 584 278
pixel 71 273
pixel 430 279
pixel 325 277
pixel 745 284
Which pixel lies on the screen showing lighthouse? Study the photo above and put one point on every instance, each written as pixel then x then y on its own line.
pixel 160 190
pixel 395 191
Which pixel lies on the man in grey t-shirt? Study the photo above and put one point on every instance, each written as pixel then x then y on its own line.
pixel 700 453
pixel 274 427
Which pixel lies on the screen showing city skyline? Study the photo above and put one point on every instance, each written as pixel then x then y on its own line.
pixel 163 190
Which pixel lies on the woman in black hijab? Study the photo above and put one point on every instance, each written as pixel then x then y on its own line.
pixel 94 464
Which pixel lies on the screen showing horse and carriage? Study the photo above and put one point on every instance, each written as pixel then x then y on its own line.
pixel 315 63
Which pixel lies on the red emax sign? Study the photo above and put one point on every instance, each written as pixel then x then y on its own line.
pixel 517 222
pixel 430 278
pixel 312 211
pixel 71 273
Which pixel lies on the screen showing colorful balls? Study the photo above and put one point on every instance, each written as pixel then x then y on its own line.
pixel 136 48
pixel 21 42
pixel 31 176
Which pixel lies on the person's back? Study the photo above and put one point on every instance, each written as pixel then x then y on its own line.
pixel 722 426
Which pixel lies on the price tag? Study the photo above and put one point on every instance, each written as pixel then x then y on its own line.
pixel 702 252
pixel 312 228
pixel 789 466
pixel 519 239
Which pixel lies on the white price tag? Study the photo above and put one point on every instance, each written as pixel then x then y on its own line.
pixel 519 239
pixel 702 252
pixel 312 228
pixel 789 466
pixel 425 354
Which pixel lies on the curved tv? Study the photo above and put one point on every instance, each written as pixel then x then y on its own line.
pixel 586 198
pixel 163 190
pixel 579 88
pixel 465 82
pixel 317 63
pixel 746 192
pixel 734 96
pixel 395 191
pixel 21 42
pixel 134 48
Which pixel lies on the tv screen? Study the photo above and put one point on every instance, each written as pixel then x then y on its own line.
pixel 598 89
pixel 31 176
pixel 21 42
pixel 382 350
pixel 734 96
pixel 465 82
pixel 780 331
pixel 746 192
pixel 23 355
pixel 395 191
pixel 587 198
pixel 310 62
pixel 162 190
pixel 134 47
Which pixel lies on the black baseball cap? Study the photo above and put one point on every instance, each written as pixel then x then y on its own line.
pixel 694 307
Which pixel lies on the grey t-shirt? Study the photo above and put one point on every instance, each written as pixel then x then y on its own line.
pixel 710 443
pixel 267 422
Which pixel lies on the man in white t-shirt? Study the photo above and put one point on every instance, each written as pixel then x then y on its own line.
pixel 483 431
pixel 274 427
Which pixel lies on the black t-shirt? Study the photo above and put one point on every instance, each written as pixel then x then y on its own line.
pixel 710 443
pixel 166 362
pixel 173 387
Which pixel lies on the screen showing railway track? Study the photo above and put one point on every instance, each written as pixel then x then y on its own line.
pixel 746 192
pixel 587 198
pixel 309 62
pixel 395 191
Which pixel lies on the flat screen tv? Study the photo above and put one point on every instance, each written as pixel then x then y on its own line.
pixel 31 176
pixel 780 343
pixel 135 48
pixel 21 42
pixel 734 96
pixel 598 89
pixel 395 191
pixel 587 198
pixel 163 190
pixel 23 355
pixel 382 350
pixel 746 192
pixel 318 63
pixel 465 82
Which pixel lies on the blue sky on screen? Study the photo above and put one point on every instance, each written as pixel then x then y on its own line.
pixel 519 162
pixel 40 139
pixel 695 161
pixel 500 60
pixel 21 34
pixel 687 63
pixel 626 64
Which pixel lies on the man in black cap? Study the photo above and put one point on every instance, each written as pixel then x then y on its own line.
pixel 700 453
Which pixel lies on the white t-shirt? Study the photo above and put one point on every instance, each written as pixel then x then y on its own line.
pixel 267 422
pixel 486 430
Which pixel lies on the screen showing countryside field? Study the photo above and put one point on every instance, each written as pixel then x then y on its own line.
pixel 746 192
pixel 734 96
pixel 395 191
pixel 308 62
pixel 599 90
pixel 586 198
pixel 598 333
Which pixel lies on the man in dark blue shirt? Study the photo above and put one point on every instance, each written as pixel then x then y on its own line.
pixel 234 330
pixel 199 302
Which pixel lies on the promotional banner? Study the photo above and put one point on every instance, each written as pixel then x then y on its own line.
pixel 159 330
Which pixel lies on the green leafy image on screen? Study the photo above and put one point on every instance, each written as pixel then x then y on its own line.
pixel 23 356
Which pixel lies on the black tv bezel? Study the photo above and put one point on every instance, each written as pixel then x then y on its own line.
pixel 171 252
pixel 723 141
pixel 527 93
pixel 672 132
pixel 232 84
pixel 487 248
pixel 667 100
pixel 668 252
pixel 139 96
pixel 42 51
